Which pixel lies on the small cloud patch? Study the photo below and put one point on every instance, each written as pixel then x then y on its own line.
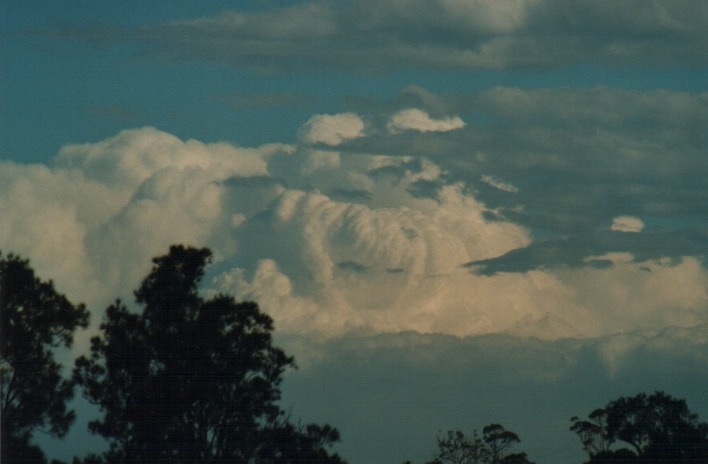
pixel 413 119
pixel 627 224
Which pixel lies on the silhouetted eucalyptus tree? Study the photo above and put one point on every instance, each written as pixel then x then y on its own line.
pixel 35 320
pixel 193 380
pixel 657 428
pixel 491 448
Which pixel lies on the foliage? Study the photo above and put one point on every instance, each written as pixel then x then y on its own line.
pixel 192 380
pixel 36 319
pixel 657 428
pixel 491 448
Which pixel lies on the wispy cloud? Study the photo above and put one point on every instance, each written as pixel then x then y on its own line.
pixel 367 35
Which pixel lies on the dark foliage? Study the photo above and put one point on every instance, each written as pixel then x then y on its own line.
pixel 491 448
pixel 653 428
pixel 192 380
pixel 36 319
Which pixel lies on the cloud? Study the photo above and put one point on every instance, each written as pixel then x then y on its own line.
pixel 413 119
pixel 580 156
pixel 101 209
pixel 502 227
pixel 332 129
pixel 369 36
pixel 627 224
pixel 498 184
pixel 337 242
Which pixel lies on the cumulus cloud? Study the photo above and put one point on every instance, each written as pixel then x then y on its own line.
pixel 579 155
pixel 445 34
pixel 332 129
pixel 334 242
pixel 627 224
pixel 355 229
pixel 102 208
pixel 413 119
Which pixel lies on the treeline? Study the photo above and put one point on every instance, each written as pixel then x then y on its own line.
pixel 188 379
pixel 646 429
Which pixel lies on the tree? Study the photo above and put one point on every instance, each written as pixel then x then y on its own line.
pixel 656 428
pixel 190 380
pixel 491 448
pixel 35 321
pixel 593 432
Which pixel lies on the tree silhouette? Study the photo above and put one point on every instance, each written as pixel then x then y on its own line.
pixel 491 448
pixel 191 380
pixel 36 320
pixel 656 428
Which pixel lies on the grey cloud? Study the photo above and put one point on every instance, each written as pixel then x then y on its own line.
pixel 575 251
pixel 370 36
pixel 353 196
pixel 253 182
pixel 395 172
pixel 425 188
pixel 353 266
pixel 576 156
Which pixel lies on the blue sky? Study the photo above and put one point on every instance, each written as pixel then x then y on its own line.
pixel 417 182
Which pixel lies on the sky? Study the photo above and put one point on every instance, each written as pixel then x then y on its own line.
pixel 458 212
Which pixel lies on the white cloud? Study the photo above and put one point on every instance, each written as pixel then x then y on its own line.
pixel 647 295
pixel 374 269
pixel 332 129
pixel 413 119
pixel 627 224
pixel 327 242
pixel 498 184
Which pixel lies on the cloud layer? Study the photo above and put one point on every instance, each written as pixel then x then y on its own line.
pixel 358 228
pixel 445 34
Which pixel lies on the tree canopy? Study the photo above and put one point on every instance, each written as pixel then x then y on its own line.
pixel 643 428
pixel 491 448
pixel 193 380
pixel 35 320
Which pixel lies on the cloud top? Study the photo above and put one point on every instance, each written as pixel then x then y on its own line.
pixel 332 129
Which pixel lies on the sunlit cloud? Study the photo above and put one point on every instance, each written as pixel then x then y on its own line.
pixel 332 243
pixel 332 129
pixel 413 119
pixel 627 224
